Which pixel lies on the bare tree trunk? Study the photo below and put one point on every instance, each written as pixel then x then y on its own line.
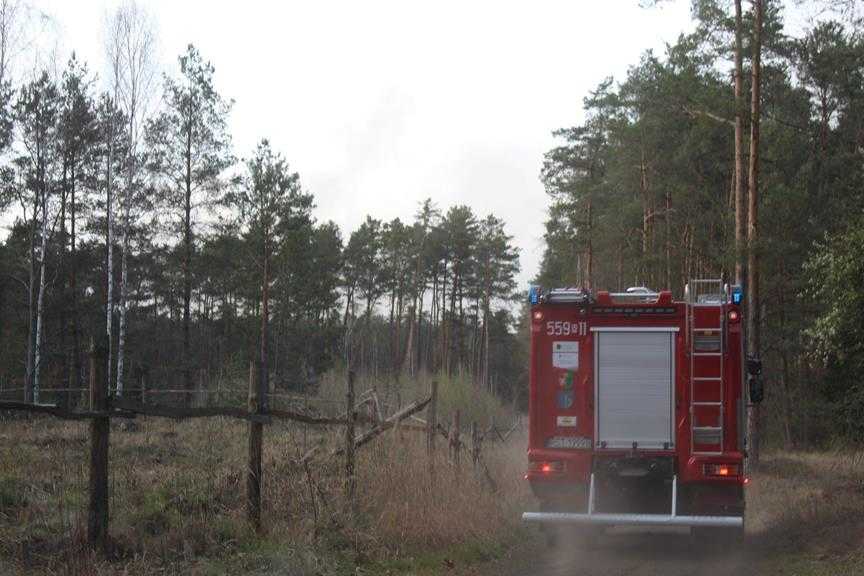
pixel 646 220
pixel 109 298
pixel 589 265
pixel 64 294
pixel 667 220
pixel 486 381
pixel 73 285
pixel 124 293
pixel 124 258
pixel 753 312
pixel 31 307
pixel 739 149
pixel 37 367
pixel 187 273
pixel 265 320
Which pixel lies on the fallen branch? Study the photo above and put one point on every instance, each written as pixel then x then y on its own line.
pixel 510 431
pixel 371 434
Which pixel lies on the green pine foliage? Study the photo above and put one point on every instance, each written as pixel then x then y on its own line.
pixel 209 237
pixel 642 193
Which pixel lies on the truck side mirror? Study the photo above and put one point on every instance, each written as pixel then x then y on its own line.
pixel 757 388
pixel 754 379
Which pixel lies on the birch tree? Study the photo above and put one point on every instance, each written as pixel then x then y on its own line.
pixel 36 113
pixel 131 52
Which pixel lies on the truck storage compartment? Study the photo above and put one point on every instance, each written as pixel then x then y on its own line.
pixel 634 379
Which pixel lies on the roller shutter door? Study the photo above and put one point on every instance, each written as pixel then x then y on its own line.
pixel 634 375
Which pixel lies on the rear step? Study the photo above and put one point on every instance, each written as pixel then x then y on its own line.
pixel 672 519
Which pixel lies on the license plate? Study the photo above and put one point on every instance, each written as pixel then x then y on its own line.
pixel 569 442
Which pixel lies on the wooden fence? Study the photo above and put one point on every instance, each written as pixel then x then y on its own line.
pixel 103 407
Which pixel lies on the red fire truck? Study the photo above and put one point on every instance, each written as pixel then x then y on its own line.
pixel 637 407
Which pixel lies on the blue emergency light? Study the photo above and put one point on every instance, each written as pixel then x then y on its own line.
pixel 737 295
pixel 533 295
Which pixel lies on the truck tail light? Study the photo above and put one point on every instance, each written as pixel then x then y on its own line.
pixel 552 467
pixel 721 470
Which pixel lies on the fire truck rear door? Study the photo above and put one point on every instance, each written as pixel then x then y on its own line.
pixel 634 371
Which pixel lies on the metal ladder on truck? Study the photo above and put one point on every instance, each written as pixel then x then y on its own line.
pixel 706 342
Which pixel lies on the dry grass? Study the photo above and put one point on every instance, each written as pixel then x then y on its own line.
pixel 808 503
pixel 177 504
pixel 177 499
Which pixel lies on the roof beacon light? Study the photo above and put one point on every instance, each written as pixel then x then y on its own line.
pixel 737 295
pixel 534 294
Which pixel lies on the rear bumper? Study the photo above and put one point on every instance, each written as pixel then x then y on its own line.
pixel 619 519
pixel 633 519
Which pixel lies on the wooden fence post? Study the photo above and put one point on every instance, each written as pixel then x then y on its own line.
pixel 100 429
pixel 349 442
pixel 432 425
pixel 455 441
pixel 475 444
pixel 219 389
pixel 253 474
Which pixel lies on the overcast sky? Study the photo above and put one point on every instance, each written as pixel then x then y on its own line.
pixel 380 104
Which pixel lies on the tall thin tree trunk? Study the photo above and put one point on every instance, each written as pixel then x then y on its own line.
pixel 589 265
pixel 37 367
pixel 124 293
pixel 753 312
pixel 31 306
pixel 620 275
pixel 486 380
pixel 265 318
pixel 124 261
pixel 187 272
pixel 739 149
pixel 73 286
pixel 109 298
pixel 420 338
pixel 646 220
pixel 64 318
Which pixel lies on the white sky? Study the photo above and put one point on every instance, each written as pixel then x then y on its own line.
pixel 380 104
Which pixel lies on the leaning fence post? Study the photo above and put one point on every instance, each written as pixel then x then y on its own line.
pixel 349 441
pixel 100 429
pixel 454 439
pixel 432 425
pixel 253 474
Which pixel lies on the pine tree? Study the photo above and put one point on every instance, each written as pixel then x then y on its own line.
pixel 190 149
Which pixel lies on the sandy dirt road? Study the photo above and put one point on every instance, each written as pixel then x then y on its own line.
pixel 637 553
pixel 630 552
